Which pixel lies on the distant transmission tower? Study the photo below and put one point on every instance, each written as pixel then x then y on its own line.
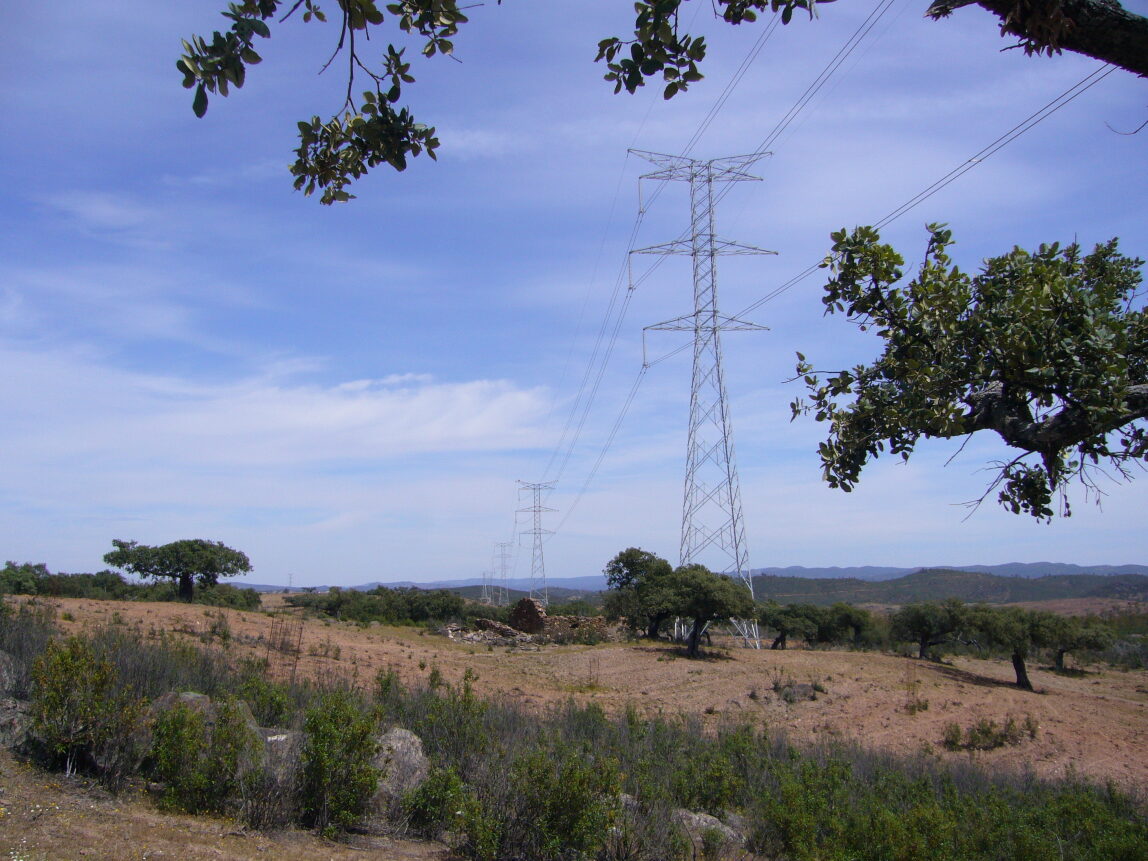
pixel 502 563
pixel 487 596
pixel 711 509
pixel 537 565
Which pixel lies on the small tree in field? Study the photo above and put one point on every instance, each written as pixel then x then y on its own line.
pixel 1015 630
pixel 1072 634
pixel 930 624
pixel 790 620
pixel 640 590
pixel 704 597
pixel 184 562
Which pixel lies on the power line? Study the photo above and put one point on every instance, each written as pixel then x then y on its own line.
pixel 584 401
pixel 964 167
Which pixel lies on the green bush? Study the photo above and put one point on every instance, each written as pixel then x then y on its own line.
pixel 79 710
pixel 179 746
pixel 270 702
pixel 204 764
pixel 555 802
pixel 338 778
pixel 437 804
pixel 987 734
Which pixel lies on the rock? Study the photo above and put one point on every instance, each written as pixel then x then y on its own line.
pixel 15 722
pixel 697 824
pixel 497 628
pixel 196 702
pixel 404 767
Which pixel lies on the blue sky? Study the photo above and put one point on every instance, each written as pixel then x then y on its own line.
pixel 191 349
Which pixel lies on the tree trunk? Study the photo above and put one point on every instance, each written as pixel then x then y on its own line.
pixel 923 649
pixel 1060 660
pixel 655 626
pixel 1022 681
pixel 779 642
pixel 186 588
pixel 695 638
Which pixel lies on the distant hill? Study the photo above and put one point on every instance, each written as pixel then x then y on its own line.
pixel 1010 569
pixel 590 583
pixel 556 594
pixel 799 581
pixel 930 584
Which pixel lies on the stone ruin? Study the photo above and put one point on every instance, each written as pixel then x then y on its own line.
pixel 529 624
pixel 528 616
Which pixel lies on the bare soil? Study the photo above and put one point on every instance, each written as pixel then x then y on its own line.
pixel 1092 723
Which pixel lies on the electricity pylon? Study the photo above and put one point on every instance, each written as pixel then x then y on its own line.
pixel 537 565
pixel 502 559
pixel 711 508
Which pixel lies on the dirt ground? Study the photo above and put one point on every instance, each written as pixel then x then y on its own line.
pixel 1092 724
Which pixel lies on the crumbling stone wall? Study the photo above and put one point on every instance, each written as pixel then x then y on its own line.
pixel 528 616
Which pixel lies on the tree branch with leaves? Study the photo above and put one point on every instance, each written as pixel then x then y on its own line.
pixel 1047 349
pixel 364 132
pixel 373 129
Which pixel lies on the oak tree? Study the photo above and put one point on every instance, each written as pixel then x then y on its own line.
pixel 1046 349
pixel 705 597
pixel 185 562
pixel 929 624
pixel 640 590
pixel 1015 630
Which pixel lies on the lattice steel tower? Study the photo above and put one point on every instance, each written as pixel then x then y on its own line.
pixel 502 564
pixel 537 565
pixel 711 509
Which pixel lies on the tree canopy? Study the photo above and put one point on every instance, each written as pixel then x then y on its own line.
pixel 186 562
pixel 704 597
pixel 1048 349
pixel 647 592
pixel 640 590
pixel 370 128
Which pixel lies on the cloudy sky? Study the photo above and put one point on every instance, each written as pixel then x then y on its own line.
pixel 189 348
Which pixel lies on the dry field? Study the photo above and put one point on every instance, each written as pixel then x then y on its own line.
pixel 1093 725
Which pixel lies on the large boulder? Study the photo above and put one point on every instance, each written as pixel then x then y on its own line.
pixel 15 721
pixel 269 802
pixel 708 833
pixel 402 763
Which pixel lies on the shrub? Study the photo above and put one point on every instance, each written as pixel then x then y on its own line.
pixel 24 634
pixel 179 744
pixel 206 765
pixel 556 801
pixel 269 701
pixel 437 804
pixel 337 775
pixel 986 734
pixel 78 708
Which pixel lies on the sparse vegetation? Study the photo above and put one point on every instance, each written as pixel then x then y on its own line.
pixel 987 734
pixel 577 782
pixel 36 579
pixel 394 606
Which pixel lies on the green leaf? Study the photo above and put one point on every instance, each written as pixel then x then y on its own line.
pixel 199 103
